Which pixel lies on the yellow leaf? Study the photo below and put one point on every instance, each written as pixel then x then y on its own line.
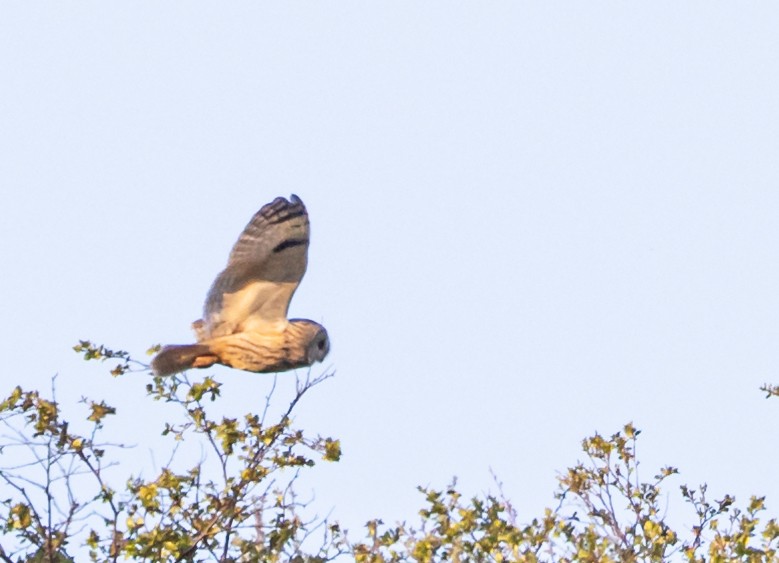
pixel 332 450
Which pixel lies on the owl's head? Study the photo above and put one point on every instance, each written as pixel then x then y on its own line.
pixel 314 339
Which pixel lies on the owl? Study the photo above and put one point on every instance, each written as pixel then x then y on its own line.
pixel 244 324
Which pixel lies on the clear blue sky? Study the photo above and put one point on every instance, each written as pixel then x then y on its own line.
pixel 531 221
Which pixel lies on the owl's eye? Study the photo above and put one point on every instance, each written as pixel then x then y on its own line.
pixel 321 344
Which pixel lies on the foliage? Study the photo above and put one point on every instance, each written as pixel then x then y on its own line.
pixel 239 504
pixel 244 510
pixel 604 514
pixel 770 390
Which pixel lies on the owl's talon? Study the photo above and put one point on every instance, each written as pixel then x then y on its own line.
pixel 204 361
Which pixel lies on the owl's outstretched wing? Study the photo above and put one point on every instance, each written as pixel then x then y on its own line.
pixel 262 273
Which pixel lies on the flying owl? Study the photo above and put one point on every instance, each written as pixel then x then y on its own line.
pixel 244 324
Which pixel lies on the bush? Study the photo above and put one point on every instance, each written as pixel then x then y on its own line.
pixel 240 503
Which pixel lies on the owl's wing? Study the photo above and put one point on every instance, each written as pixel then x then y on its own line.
pixel 263 271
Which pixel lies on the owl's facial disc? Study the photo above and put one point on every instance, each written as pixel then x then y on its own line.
pixel 319 347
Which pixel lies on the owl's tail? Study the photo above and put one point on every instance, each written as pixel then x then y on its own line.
pixel 177 358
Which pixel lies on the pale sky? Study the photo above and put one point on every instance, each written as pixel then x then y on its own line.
pixel 530 221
